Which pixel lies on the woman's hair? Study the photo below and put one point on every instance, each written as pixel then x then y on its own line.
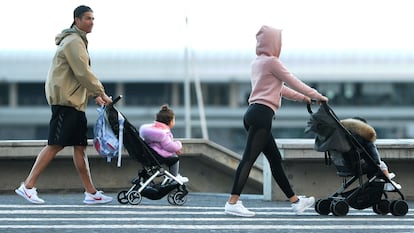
pixel 165 115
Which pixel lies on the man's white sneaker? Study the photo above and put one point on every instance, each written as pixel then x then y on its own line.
pixel 97 198
pixel 238 209
pixel 182 178
pixel 303 203
pixel 390 187
pixel 29 194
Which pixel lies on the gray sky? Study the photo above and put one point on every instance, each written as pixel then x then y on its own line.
pixel 213 24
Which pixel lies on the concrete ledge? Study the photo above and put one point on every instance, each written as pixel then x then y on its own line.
pixel 210 167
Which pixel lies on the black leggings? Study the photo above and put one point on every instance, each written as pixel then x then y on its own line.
pixel 258 123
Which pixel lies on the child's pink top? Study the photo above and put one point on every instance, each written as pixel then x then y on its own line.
pixel 159 137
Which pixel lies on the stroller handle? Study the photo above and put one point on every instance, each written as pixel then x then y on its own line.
pixel 309 108
pixel 114 101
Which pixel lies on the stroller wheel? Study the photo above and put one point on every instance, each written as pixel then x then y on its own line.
pixel 122 197
pixel 177 198
pixel 180 198
pixel 399 208
pixel 322 206
pixel 170 198
pixel 382 207
pixel 339 208
pixel 134 197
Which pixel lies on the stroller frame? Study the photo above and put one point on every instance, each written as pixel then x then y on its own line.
pixel 352 165
pixel 145 184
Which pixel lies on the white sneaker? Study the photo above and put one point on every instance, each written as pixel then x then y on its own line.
pixel 97 198
pixel 303 203
pixel 182 178
pixel 390 187
pixel 238 209
pixel 391 175
pixel 29 194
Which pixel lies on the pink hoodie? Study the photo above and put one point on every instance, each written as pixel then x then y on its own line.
pixel 270 78
pixel 159 137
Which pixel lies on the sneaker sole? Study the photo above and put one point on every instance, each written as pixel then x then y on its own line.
pixel 18 192
pixel 239 214
pixel 96 202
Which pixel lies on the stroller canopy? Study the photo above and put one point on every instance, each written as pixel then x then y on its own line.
pixel 329 133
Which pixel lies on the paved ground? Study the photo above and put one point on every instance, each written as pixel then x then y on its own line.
pixel 201 213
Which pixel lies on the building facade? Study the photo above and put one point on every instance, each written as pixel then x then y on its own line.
pixel 376 85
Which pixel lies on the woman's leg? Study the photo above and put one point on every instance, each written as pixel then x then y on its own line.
pixel 257 122
pixel 272 153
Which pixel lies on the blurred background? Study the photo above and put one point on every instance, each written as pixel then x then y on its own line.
pixel 195 56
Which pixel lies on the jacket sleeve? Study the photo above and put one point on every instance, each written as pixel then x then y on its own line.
pixel 168 143
pixel 78 59
pixel 283 74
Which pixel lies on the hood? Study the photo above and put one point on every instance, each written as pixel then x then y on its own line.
pixel 153 132
pixel 269 41
pixel 360 128
pixel 59 37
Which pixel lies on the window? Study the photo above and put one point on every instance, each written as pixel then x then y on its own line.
pixel 31 94
pixel 4 94
pixel 147 94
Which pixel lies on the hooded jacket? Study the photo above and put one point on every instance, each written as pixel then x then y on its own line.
pixel 365 135
pixel 270 79
pixel 70 80
pixel 360 128
pixel 159 137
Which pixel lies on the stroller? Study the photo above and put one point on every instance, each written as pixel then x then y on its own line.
pixel 153 181
pixel 363 180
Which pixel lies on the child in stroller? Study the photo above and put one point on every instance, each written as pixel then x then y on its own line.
pixel 159 137
pixel 147 183
pixel 366 136
pixel 363 179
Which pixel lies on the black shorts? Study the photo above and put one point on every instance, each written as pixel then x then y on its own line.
pixel 67 127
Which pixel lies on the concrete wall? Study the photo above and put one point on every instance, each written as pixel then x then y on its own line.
pixel 209 166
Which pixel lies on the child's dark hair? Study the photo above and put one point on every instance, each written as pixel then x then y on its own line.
pixel 165 115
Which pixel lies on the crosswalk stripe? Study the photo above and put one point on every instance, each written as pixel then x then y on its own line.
pixel 180 212
pixel 50 217
pixel 163 218
pixel 218 227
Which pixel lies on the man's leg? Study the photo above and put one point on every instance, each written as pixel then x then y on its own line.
pixel 80 159
pixel 46 155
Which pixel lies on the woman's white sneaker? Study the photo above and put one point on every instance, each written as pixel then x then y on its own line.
pixel 238 210
pixel 303 203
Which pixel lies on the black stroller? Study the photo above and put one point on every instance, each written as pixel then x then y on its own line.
pixel 153 181
pixel 363 181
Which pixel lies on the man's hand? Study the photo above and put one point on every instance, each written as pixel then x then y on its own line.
pixel 104 99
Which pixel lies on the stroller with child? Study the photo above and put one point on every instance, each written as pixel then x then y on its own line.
pixel 153 180
pixel 363 180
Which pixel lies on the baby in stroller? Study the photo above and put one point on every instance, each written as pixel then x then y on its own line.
pixel 159 137
pixel 349 145
pixel 366 136
pixel 148 183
